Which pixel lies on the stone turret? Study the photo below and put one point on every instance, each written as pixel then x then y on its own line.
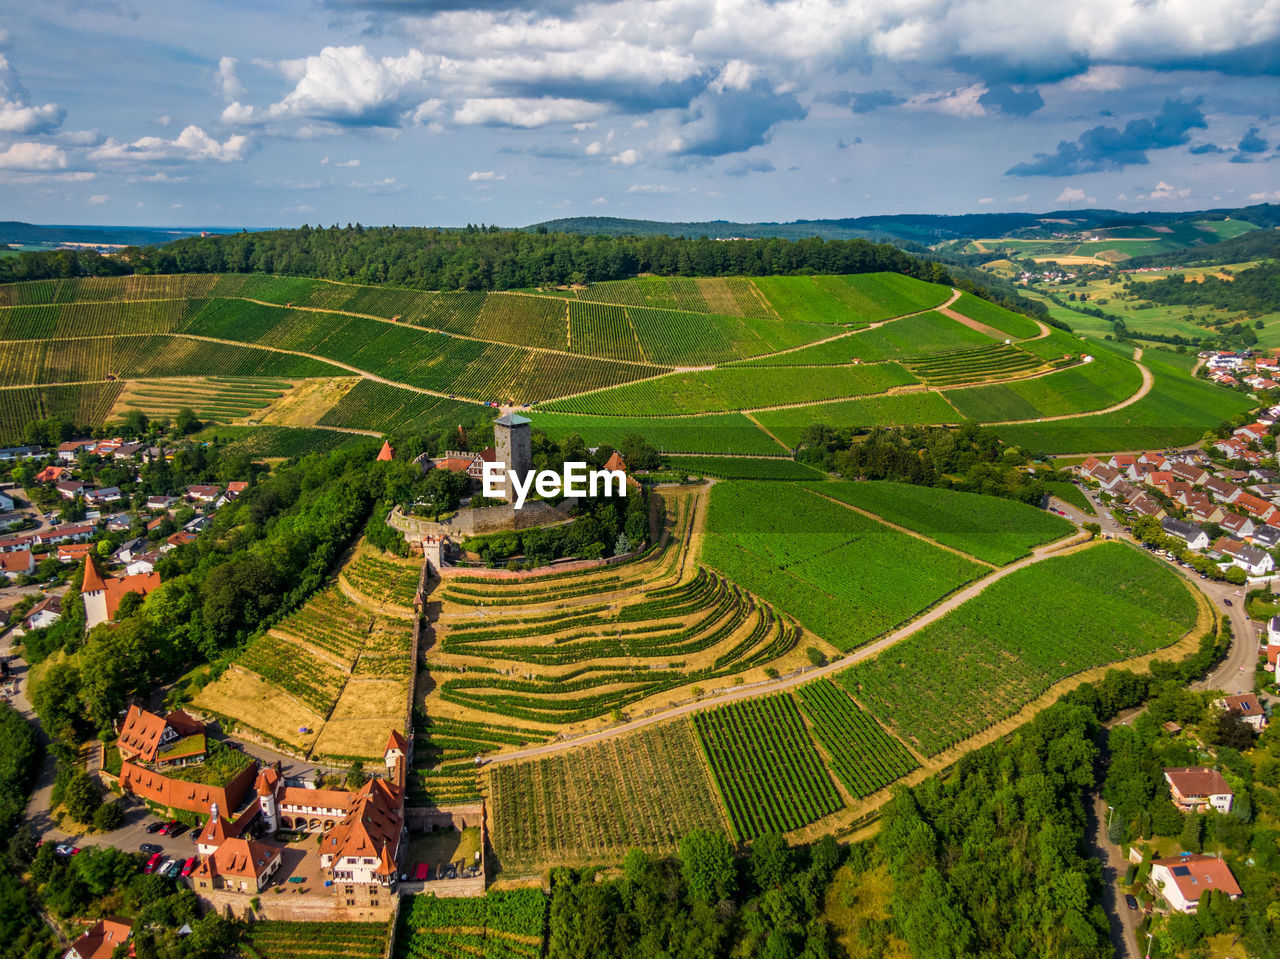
pixel 513 445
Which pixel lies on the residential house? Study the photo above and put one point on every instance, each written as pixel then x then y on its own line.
pixel 1251 559
pixel 203 494
pixel 172 740
pixel 102 596
pixel 1268 537
pixel 44 613
pixel 1197 788
pixel 1202 508
pixel 1153 459
pixel 161 502
pixel 234 489
pixel 101 940
pixel 1147 505
pixel 1159 479
pixel 1241 527
pixel 72 552
pixel 128 451
pixel 17 563
pixel 12 520
pixel 119 522
pixel 6 501
pixel 10 543
pixel 51 474
pixel 142 564
pixel 68 533
pixel 1107 477
pixel 10 453
pixel 180 538
pixel 70 489
pixel 1221 489
pixel 100 497
pixel 1253 433
pixel 67 452
pixel 128 550
pixel 1123 490
pixel 1192 535
pixel 1259 508
pixel 1246 708
pixel 1188 472
pixel 1182 880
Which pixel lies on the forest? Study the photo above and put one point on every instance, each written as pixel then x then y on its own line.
pixel 1254 291
pixel 475 258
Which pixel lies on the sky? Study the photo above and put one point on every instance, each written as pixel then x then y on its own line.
pixel 447 112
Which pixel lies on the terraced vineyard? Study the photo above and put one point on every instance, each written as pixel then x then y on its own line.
pixel 210 398
pixel 1092 607
pixel 331 680
pixel 386 580
pixel 1103 382
pixel 646 789
pixel 767 770
pixel 796 549
pixel 276 939
pixel 955 367
pixel 499 925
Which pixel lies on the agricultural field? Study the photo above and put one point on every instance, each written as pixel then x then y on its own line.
pixel 1103 382
pixel 345 668
pixel 498 925
pixel 997 317
pixel 275 939
pixel 977 365
pixel 591 804
pixel 729 467
pixel 388 583
pixel 894 409
pixel 390 409
pixel 285 442
pixel 1178 410
pixel 729 433
pixel 736 388
pixel 795 549
pixel 84 405
pixel 989 528
pixel 211 398
pixel 863 756
pixel 766 768
pixel 985 660
pixel 849 300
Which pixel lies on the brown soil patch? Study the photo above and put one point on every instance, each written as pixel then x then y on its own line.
pixel 308 402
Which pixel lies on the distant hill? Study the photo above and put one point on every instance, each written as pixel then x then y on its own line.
pixel 910 227
pixel 52 236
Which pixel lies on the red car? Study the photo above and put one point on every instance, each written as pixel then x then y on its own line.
pixel 188 867
pixel 152 863
pixel 168 827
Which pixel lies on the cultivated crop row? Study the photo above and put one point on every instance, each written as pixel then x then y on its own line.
pixel 646 789
pixel 84 405
pixel 384 579
pixel 765 766
pixel 494 926
pixel 276 939
pixel 863 756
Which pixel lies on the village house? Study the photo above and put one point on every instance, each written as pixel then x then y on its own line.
pixel 234 489
pixel 128 451
pixel 1221 489
pixel 70 533
pixel 51 474
pixel 1197 788
pixel 203 494
pixel 1245 708
pixel 1147 505
pixel 1188 472
pixel 161 502
pixel 102 596
pixel 239 865
pixel 101 940
pixel 1192 535
pixel 6 500
pixel 70 489
pixel 1182 880
pixel 1238 526
pixel 12 520
pixel 142 564
pixel 1259 508
pixel 17 563
pixel 10 543
pixel 174 740
pixel 68 451
pixel 99 497
pixel 44 613
pixel 72 552
pixel 1268 537
pixel 1253 433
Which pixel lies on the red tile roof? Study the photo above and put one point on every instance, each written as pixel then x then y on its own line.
pixel 1203 874
pixel 1194 781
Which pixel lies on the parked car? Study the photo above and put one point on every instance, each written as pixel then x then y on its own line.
pixel 155 827
pixel 153 863
pixel 1130 901
pixel 66 849
pixel 188 867
pixel 177 829
pixel 150 848
pixel 168 828
pixel 1226 602
pixel 170 868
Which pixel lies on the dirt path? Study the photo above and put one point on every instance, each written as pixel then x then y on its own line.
pixel 805 676
pixel 1148 381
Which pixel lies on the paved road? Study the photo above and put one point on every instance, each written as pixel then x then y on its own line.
pixel 1123 921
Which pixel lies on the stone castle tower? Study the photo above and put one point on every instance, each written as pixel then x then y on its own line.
pixel 512 445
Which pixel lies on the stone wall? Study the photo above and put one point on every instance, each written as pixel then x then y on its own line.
pixel 475 522
pixel 297 907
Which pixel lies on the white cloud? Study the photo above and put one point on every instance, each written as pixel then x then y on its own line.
pixel 232 88
pixel 651 188
pixel 598 201
pixel 348 163
pixel 97 199
pixel 158 177
pixel 17 113
pixel 486 176
pixel 164 120
pixel 524 112
pixel 1163 191
pixel 1073 194
pixel 192 144
pixel 957 103
pixel 986 199
pixel 1272 197
pixel 1020 198
pixel 33 156
pixel 594 147
pixel 241 114
pixel 625 158
pixel 347 84
pixel 1104 79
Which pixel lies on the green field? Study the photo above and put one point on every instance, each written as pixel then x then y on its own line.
pixel 379 406
pixel 728 467
pixel 210 398
pixel 83 405
pixel 845 577
pixel 983 662
pixel 1012 324
pixel 285 441
pixel 275 939
pixel 897 409
pixel 1070 493
pixel 992 529
pixel 728 433
pixel 862 755
pixel 851 300
pixel 736 388
pixel 766 768
pixel 1178 410
pixel 1103 382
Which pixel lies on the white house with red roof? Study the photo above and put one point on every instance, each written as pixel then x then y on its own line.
pixel 102 596
pixel 1183 879
pixel 101 939
pixel 1197 788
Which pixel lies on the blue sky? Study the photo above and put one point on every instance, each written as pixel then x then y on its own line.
pixel 514 111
